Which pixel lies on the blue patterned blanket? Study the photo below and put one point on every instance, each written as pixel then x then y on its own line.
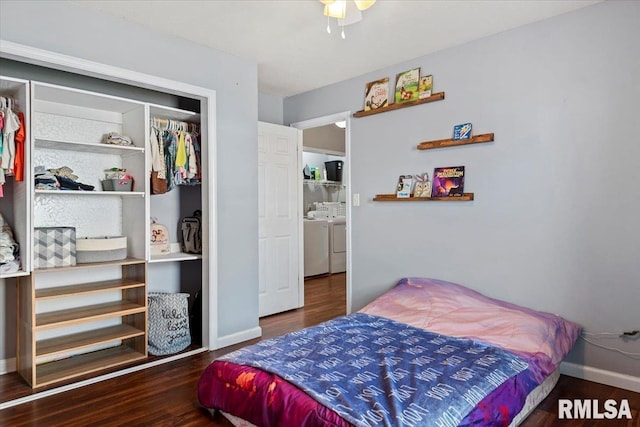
pixel 375 371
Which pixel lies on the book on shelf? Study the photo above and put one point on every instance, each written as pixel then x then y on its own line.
pixel 425 87
pixel 407 85
pixel 448 181
pixel 462 131
pixel 422 187
pixel 376 94
pixel 403 189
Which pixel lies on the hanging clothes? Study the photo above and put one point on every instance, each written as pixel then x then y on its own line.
pixel 12 139
pixel 174 155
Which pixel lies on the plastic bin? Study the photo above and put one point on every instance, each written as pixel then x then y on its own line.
pixel 117 184
pixel 334 170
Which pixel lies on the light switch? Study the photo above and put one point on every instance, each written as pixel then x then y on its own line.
pixel 355 199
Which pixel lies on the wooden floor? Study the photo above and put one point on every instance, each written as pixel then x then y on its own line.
pixel 165 395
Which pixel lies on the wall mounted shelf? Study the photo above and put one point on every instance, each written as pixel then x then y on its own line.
pixel 396 106
pixel 441 143
pixel 393 198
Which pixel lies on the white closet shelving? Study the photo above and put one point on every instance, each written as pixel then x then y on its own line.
pixel 79 319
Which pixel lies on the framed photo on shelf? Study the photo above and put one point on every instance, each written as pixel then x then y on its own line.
pixel 407 86
pixel 376 94
pixel 425 87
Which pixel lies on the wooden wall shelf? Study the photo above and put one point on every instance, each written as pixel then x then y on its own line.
pixel 441 143
pixel 396 106
pixel 393 198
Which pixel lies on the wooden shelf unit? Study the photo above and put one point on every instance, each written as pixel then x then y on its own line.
pixel 441 143
pixel 393 198
pixel 396 106
pixel 125 342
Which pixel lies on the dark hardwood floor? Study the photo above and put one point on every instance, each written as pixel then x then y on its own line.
pixel 165 395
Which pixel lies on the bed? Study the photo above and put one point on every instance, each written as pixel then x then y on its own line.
pixel 427 352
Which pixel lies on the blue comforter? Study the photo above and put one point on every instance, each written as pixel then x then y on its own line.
pixel 375 371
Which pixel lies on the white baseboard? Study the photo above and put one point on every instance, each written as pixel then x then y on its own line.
pixel 7 365
pixel 246 335
pixel 601 376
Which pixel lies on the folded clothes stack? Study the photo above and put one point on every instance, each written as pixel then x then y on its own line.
pixel 58 179
pixel 9 249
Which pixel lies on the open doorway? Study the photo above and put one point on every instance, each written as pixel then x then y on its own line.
pixel 325 212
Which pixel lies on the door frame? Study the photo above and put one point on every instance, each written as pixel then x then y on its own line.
pixel 346 178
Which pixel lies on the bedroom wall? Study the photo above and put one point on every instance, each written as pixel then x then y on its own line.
pixel 87 34
pixel 554 225
pixel 270 108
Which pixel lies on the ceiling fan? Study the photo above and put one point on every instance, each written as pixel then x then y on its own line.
pixel 347 12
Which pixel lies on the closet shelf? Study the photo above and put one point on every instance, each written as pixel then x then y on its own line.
pixel 393 198
pixel 92 193
pixel 396 106
pixel 87 363
pixel 57 345
pixel 87 288
pixel 126 261
pixel 164 112
pixel 175 256
pixel 325 183
pixel 55 319
pixel 18 273
pixel 87 147
pixel 441 143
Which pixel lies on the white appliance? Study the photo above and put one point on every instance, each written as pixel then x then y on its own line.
pixel 316 247
pixel 337 245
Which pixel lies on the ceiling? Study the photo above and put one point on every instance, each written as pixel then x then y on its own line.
pixel 294 53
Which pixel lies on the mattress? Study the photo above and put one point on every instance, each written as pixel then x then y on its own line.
pixel 247 390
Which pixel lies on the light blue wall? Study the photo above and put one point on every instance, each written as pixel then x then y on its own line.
pixel 555 222
pixel 74 30
pixel 270 108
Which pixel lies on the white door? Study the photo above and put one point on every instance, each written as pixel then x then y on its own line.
pixel 280 281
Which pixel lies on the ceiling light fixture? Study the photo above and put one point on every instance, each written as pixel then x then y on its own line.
pixel 347 12
pixel 341 124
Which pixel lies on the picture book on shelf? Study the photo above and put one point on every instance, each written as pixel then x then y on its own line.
pixel 425 87
pixel 422 188
pixel 448 181
pixel 407 85
pixel 462 131
pixel 376 94
pixel 403 189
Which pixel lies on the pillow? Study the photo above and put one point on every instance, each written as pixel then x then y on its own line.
pixel 451 309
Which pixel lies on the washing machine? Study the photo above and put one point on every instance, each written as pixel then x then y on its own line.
pixel 316 247
pixel 337 245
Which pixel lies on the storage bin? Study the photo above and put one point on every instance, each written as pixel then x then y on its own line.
pixel 168 323
pixel 334 170
pixel 117 184
pixel 54 247
pixel 101 249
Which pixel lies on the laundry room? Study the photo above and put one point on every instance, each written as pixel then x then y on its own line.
pixel 324 200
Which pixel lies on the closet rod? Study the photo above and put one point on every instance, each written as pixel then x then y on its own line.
pixel 170 124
